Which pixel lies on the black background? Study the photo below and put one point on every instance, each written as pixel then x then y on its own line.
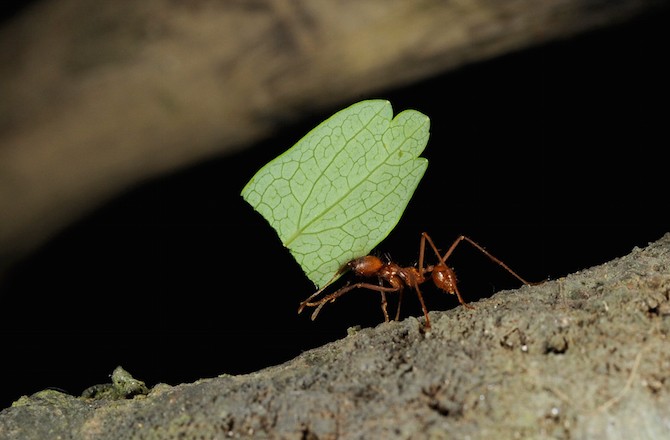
pixel 551 158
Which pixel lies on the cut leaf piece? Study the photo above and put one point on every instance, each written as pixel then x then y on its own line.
pixel 341 189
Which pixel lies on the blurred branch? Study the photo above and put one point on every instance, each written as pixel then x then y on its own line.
pixel 98 96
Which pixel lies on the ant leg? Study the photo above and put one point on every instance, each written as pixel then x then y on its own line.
pixel 422 251
pixel 384 306
pixel 443 276
pixel 423 306
pixel 397 312
pixel 312 296
pixel 318 292
pixel 333 296
pixel 422 272
pixel 384 302
pixel 475 245
pixel 461 300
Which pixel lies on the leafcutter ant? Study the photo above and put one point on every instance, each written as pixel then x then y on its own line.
pixel 391 277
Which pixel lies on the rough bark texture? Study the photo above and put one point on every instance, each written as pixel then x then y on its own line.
pixel 581 357
pixel 95 98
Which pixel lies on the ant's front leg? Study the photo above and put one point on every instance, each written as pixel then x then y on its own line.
pixel 333 296
pixel 307 302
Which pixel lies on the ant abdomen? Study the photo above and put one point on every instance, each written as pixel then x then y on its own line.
pixel 444 278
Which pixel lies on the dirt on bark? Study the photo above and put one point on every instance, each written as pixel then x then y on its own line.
pixel 581 357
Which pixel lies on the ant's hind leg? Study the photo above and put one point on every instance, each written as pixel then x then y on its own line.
pixel 423 306
pixel 461 300
pixel 425 237
pixel 476 246
pixel 494 259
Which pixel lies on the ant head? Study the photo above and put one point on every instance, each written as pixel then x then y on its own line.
pixel 366 266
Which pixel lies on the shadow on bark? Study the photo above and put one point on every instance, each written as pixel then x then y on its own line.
pixel 579 357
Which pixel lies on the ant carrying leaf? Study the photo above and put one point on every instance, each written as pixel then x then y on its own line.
pixel 342 188
pixel 393 278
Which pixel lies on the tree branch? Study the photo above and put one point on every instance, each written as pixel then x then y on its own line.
pixel 96 98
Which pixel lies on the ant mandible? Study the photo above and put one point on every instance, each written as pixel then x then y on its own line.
pixel 397 278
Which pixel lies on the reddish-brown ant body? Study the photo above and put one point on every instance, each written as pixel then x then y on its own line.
pixel 392 277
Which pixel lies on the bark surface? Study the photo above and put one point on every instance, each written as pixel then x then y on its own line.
pixel 580 357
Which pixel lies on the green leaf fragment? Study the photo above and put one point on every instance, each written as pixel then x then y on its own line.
pixel 341 189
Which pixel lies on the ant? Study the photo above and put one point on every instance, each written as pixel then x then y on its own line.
pixel 397 278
